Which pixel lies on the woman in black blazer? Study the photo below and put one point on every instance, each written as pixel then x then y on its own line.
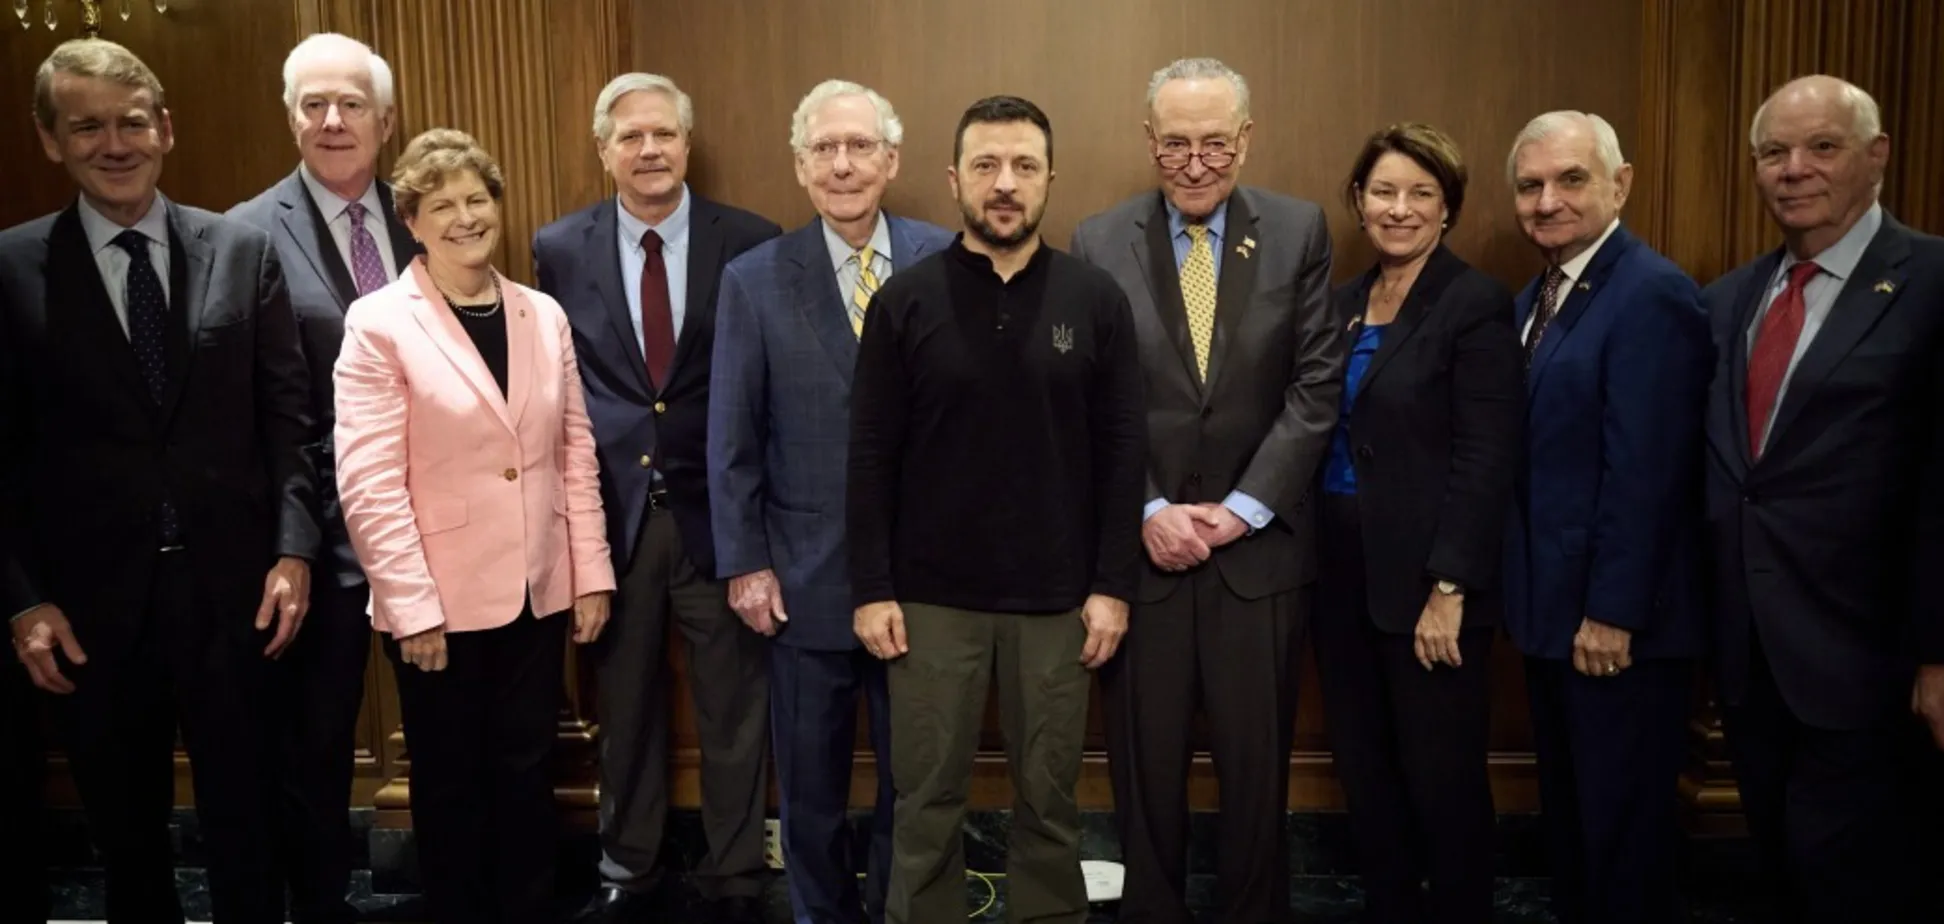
pixel 1413 507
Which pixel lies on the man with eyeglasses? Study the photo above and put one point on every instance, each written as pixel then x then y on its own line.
pixel 637 275
pixel 787 326
pixel 1229 287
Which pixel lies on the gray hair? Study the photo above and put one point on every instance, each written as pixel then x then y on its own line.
pixel 326 46
pixel 1866 120
pixel 889 125
pixel 1201 69
pixel 634 83
pixel 1606 143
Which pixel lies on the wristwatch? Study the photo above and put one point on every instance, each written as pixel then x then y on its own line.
pixel 1450 588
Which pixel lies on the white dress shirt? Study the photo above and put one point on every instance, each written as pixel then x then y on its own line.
pixel 337 216
pixel 674 231
pixel 1574 269
pixel 842 258
pixel 113 261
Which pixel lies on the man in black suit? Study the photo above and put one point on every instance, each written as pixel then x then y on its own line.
pixel 637 275
pixel 1825 507
pixel 154 408
pixel 1230 293
pixel 337 239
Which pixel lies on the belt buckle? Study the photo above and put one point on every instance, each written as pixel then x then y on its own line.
pixel 658 499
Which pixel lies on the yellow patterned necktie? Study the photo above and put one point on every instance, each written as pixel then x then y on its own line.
pixel 867 286
pixel 1198 294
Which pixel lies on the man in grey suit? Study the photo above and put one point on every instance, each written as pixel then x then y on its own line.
pixel 787 325
pixel 338 239
pixel 1229 288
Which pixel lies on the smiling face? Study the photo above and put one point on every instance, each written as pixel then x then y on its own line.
pixel 459 223
pixel 1403 208
pixel 647 154
pixel 1816 175
pixel 338 124
pixel 1564 196
pixel 1199 142
pixel 111 137
pixel 1001 182
pixel 846 163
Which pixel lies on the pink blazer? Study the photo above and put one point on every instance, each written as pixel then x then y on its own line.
pixel 459 501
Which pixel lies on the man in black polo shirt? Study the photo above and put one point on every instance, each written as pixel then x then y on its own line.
pixel 996 465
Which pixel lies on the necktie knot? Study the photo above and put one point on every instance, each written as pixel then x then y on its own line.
pixel 1196 232
pixel 864 257
pixel 357 212
pixel 650 241
pixel 135 242
pixel 1801 273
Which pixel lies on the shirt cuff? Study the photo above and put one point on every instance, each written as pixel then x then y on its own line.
pixel 1249 509
pixel 1153 507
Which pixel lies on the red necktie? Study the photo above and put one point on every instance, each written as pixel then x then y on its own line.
pixel 1775 345
pixel 657 319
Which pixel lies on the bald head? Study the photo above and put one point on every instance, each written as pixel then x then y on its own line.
pixel 1826 93
pixel 1820 154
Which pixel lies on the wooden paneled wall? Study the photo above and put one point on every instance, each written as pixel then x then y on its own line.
pixel 1679 79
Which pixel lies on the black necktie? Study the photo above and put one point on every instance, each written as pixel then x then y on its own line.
pixel 148 319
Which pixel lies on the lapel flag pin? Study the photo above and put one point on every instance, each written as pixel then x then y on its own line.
pixel 1586 287
pixel 1243 251
pixel 1248 242
pixel 1884 287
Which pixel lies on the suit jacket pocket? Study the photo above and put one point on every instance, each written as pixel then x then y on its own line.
pixel 439 514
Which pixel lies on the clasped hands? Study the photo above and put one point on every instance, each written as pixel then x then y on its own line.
pixel 1181 536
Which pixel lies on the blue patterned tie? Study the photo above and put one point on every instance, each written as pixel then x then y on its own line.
pixel 148 319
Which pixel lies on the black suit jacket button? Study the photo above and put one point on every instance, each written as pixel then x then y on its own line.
pixel 1750 497
pixel 1365 453
pixel 1194 477
pixel 1207 413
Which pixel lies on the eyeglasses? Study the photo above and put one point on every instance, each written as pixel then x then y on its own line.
pixel 1175 155
pixel 859 148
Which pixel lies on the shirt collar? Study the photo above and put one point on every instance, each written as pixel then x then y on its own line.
pixel 332 204
pixel 673 229
pixel 1840 259
pixel 1576 267
pixel 101 230
pixel 1217 220
pixel 840 250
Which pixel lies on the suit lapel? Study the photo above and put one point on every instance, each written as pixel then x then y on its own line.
pixel 306 225
pixel 1154 251
pixel 1736 356
pixel 1236 285
pixel 520 345
pixel 429 309
pixel 704 271
pixel 1581 295
pixel 191 262
pixel 1859 306
pixel 1438 271
pixel 819 299
pixel 602 246
pixel 77 295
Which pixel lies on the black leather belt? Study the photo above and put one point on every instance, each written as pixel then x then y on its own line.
pixel 658 499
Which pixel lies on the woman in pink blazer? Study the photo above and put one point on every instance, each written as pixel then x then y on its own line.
pixel 466 466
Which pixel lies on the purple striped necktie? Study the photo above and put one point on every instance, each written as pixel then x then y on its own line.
pixel 367 268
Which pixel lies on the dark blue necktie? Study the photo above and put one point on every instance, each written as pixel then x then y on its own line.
pixel 148 319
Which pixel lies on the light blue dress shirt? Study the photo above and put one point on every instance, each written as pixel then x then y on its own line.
pixel 1252 511
pixel 1837 264
pixel 674 231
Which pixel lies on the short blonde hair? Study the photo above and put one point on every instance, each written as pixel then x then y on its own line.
pixel 433 158
pixel 91 58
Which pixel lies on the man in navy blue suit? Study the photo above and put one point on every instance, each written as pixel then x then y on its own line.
pixel 1601 590
pixel 637 277
pixel 787 328
pixel 1825 514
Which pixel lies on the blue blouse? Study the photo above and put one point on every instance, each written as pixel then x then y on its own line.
pixel 1340 475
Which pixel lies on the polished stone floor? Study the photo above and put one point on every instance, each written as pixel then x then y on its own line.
pixel 1323 890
